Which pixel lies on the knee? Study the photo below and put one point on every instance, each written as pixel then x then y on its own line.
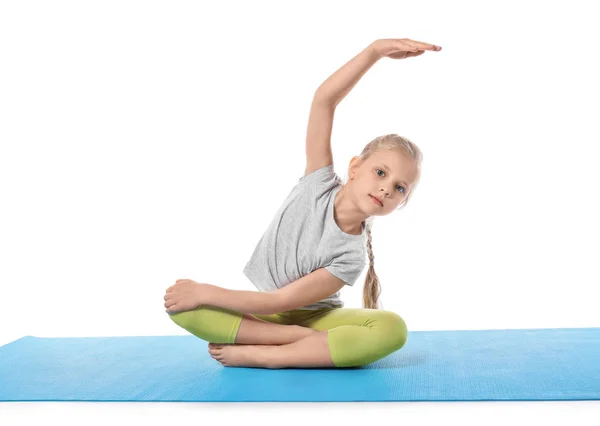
pixel 182 319
pixel 397 331
pixel 194 321
pixel 210 323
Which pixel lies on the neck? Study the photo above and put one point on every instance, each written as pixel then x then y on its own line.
pixel 347 215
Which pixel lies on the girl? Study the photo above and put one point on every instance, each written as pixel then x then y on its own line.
pixel 312 248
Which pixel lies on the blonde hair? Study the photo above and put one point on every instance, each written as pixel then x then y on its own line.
pixel 372 288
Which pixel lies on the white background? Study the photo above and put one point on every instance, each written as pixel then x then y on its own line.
pixel 143 142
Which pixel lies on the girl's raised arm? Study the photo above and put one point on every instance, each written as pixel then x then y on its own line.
pixel 326 98
pixel 336 87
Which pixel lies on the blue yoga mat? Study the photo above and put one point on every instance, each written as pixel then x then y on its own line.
pixel 459 365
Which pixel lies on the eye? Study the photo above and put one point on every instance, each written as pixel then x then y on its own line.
pixel 403 188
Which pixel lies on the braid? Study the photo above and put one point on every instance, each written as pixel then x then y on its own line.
pixel 372 288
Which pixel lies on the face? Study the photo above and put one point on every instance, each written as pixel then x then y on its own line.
pixel 388 175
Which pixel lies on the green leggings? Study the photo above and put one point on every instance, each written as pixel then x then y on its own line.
pixel 355 336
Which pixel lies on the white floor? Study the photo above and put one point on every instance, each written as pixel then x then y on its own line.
pixel 581 413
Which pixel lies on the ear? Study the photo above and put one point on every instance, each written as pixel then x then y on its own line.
pixel 354 163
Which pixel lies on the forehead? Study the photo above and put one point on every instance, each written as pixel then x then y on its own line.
pixel 396 160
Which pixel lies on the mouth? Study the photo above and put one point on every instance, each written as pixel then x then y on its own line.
pixel 376 200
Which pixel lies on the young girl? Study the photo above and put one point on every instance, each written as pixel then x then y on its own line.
pixel 312 248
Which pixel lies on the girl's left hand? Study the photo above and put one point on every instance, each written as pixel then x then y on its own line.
pixel 186 295
pixel 401 48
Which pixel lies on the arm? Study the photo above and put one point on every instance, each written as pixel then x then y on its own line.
pixel 248 302
pixel 325 100
pixel 309 289
pixel 339 84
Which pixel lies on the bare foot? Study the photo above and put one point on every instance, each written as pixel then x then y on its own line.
pixel 232 355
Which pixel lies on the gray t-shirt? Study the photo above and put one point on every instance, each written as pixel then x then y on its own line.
pixel 303 236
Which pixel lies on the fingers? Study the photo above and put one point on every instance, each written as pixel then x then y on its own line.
pixel 168 294
pixel 181 280
pixel 420 45
pixel 417 53
pixel 176 282
pixel 169 301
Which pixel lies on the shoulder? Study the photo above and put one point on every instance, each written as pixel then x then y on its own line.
pixel 323 173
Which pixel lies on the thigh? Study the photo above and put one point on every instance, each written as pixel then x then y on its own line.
pixel 330 318
pixel 216 324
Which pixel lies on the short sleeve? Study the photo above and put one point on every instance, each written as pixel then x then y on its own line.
pixel 346 269
pixel 320 176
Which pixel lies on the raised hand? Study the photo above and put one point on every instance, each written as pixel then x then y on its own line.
pixel 401 48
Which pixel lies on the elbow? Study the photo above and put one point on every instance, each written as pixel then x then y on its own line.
pixel 322 97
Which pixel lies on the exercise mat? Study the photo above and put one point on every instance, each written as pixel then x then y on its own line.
pixel 456 365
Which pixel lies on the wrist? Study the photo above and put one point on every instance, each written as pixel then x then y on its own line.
pixel 374 49
pixel 214 295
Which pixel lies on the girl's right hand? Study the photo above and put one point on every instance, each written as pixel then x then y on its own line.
pixel 401 48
